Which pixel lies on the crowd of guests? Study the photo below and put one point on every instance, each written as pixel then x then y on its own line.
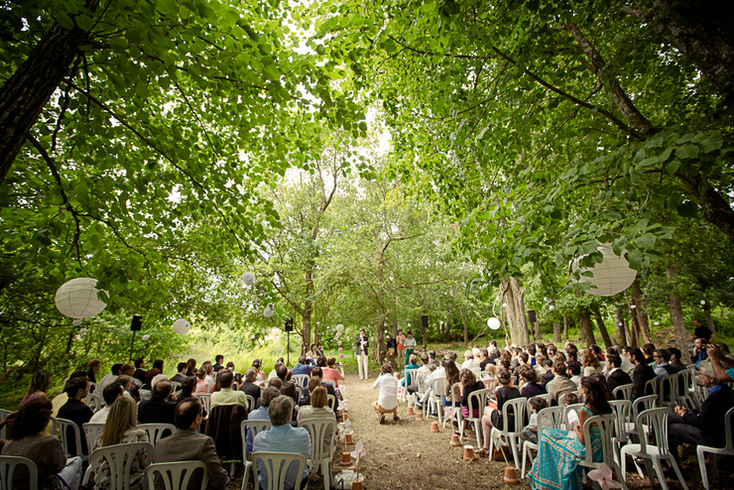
pixel 125 406
pixel 569 376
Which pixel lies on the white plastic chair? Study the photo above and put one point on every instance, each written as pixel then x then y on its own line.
pixel 91 433
pixel 329 381
pixel 548 418
pixel 3 413
pixel 668 390
pixel 318 428
pixel 510 434
pixel 421 386
pixel 605 423
pixel 412 375
pixel 562 397
pixel 275 466
pixel 156 432
pixel 622 415
pixel 626 391
pixel 119 458
pixel 94 402
pixel 206 400
pixel 651 387
pixel 576 408
pixel 65 426
pixel 176 386
pixel 144 394
pixel 331 401
pixel 93 388
pixel 176 476
pixel 435 401
pixel 301 380
pixel 657 419
pixel 726 450
pixel 299 395
pixel 476 399
pixel 455 405
pixel 254 426
pixel 8 464
pixel 639 405
pixel 250 402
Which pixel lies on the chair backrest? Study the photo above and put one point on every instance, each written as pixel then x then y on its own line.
pixel 668 389
pixel 605 424
pixel 477 399
pixel 438 385
pixel 331 401
pixel 643 403
pixel 622 414
pixel 144 394
pixel 562 397
pixel 156 432
pixel 517 406
pixel 456 390
pixel 684 382
pixel 275 466
pixel 93 388
pixel 92 432
pixel 318 428
pixel 69 430
pixel 301 380
pixel 551 418
pixel 411 378
pixel 254 426
pixel 651 387
pixel 119 458
pixel 625 390
pixel 8 464
pixel 476 370
pixel 545 396
pixel 94 402
pixel 176 386
pixel 206 400
pixel 3 413
pixel 329 381
pixel 299 393
pixel 420 382
pixel 728 421
pixel 176 476
pixel 251 402
pixel 576 408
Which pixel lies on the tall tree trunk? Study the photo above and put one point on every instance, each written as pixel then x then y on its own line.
pixel 307 313
pixel 587 331
pixel 24 95
pixel 676 315
pixel 619 326
pixel 466 327
pixel 513 296
pixel 556 331
pixel 641 318
pixel 602 327
pixel 709 320
pixel 565 328
pixel 537 329
pixel 380 337
pixel 633 331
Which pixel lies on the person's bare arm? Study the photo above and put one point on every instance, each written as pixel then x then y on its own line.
pixel 717 358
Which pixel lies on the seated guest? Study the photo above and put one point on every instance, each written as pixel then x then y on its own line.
pixel 617 377
pixel 422 371
pixel 181 371
pixel 547 366
pixel 573 371
pixel 139 373
pixel 158 364
pixel 268 394
pixel 332 373
pixel 187 444
pixel 722 364
pixel 642 373
pixel 483 359
pixel 283 437
pixel 303 366
pixel 191 367
pixel 257 365
pixel 316 410
pixel 313 383
pixel 699 351
pixel 662 363
pixel 202 386
pixel 572 356
pixel 492 416
pixel 208 374
pixel 134 386
pixel 218 360
pixel 590 362
pixel 529 387
pixel 126 382
pixel 76 411
pixel 110 377
pixel 94 366
pixel 560 384
pixel 470 384
pixel 109 395
pixel 120 428
pixel 330 390
pixel 704 428
pixel 161 407
pixel 648 351
pixel 250 387
pixel 675 363
pixel 149 375
pixel 60 399
pixel 412 364
pixel 226 395
pixel 387 402
pixel 469 361
pixel 187 389
pixel 37 388
pixel 26 439
pixel 287 387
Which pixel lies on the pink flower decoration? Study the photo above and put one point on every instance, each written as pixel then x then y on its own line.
pixel 338 334
pixel 341 349
pixel 339 342
pixel 341 355
pixel 603 476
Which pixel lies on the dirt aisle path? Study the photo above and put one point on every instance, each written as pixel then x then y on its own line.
pixel 406 455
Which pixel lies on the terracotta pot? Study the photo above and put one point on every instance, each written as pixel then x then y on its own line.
pixel 419 417
pixel 348 438
pixel 346 458
pixel 434 426
pixel 468 453
pixel 356 485
pixel 511 476
pixel 455 440
pixel 410 411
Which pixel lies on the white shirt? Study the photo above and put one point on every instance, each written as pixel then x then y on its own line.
pixel 388 386
pixel 410 343
pixel 101 416
pixel 470 364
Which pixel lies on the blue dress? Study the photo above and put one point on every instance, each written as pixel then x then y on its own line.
pixel 559 453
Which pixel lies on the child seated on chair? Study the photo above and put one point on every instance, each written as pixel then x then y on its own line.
pixel 573 417
pixel 530 432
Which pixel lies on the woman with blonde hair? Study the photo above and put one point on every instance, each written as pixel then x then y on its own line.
pixel 121 428
pixel 318 409
pixel 590 362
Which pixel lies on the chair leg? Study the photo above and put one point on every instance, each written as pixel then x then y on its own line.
pixel 650 472
pixel 326 469
pixel 714 467
pixel 622 466
pixel 478 429
pixel 702 468
pixel 659 471
pixel 678 473
pixel 615 467
pixel 246 478
pixel 515 452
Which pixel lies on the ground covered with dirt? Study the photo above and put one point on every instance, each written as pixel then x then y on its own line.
pixel 406 455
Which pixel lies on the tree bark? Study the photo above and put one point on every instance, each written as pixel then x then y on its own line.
pixel 587 331
pixel 619 326
pixel 556 331
pixel 28 90
pixel 466 328
pixel 709 320
pixel 602 327
pixel 537 330
pixel 565 328
pixel 641 319
pixel 514 298
pixel 676 315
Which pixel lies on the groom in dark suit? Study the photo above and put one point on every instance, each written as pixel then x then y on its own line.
pixel 616 376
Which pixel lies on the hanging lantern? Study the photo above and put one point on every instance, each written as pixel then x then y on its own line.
pixel 611 276
pixel 551 308
pixel 248 278
pixel 77 298
pixel 340 328
pixel 493 323
pixel 76 322
pixel 83 331
pixel 269 310
pixel 146 337
pixel 181 326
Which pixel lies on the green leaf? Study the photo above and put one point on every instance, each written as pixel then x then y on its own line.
pixel 646 241
pixel 713 142
pixel 687 151
pixel 389 45
pixel 688 209
pixel 635 259
pixel 271 73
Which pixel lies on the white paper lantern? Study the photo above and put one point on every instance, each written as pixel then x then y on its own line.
pixel 493 323
pixel 340 328
pixel 632 307
pixel 181 326
pixel 269 310
pixel 82 331
pixel 551 308
pixel 703 302
pixel 146 337
pixel 76 323
pixel 248 278
pixel 611 276
pixel 78 298
pixel 656 323
pixel 504 305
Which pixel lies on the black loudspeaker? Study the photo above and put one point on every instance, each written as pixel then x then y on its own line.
pixel 289 324
pixel 424 322
pixel 531 316
pixel 137 323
